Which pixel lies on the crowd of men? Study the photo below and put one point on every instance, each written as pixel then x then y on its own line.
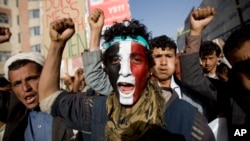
pixel 132 92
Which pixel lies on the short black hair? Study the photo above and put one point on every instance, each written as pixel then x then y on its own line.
pixel 236 39
pixel 162 42
pixel 208 48
pixel 131 28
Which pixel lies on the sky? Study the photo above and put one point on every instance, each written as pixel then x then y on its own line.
pixel 162 16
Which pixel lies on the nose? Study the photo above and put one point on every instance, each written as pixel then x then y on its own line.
pixel 125 68
pixel 26 86
pixel 163 60
pixel 207 62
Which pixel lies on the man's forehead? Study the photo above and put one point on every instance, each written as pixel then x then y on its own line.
pixel 163 51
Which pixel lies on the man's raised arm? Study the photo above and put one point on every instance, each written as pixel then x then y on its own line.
pixel 95 76
pixel 60 32
pixel 5 34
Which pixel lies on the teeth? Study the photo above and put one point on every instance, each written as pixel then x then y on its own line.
pixel 125 84
pixel 30 99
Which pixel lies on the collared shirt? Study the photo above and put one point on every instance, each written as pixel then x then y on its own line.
pixel 39 127
pixel 175 87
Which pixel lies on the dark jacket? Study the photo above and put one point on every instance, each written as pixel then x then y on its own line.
pixel 88 114
pixel 15 114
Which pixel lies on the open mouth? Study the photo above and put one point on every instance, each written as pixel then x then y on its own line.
pixel 125 88
pixel 30 99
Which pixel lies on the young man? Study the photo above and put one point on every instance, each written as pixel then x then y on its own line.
pixel 210 55
pixel 237 52
pixel 21 112
pixel 136 109
pixel 163 52
pixel 193 76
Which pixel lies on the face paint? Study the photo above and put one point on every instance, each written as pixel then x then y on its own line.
pixel 128 70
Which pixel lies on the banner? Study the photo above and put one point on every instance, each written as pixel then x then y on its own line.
pixel 57 9
pixel 114 10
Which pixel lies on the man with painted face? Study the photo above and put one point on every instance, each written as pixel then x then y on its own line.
pixel 136 110
pixel 163 52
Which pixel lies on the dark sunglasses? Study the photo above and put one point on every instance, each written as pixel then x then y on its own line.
pixel 242 66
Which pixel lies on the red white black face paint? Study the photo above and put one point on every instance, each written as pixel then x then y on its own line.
pixel 131 73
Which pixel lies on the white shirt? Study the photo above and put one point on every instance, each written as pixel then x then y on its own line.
pixel 174 86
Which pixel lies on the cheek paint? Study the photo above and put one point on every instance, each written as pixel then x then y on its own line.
pixel 140 71
pixel 112 69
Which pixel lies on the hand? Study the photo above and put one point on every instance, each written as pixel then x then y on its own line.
pixel 200 18
pixel 62 30
pixel 68 81
pixel 96 19
pixel 5 34
pixel 79 74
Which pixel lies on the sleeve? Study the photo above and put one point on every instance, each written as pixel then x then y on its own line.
pixel 192 44
pixel 191 71
pixel 200 130
pixel 75 109
pixel 46 104
pixel 95 76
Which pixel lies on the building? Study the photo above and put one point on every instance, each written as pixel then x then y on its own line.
pixel 23 19
pixel 230 14
pixel 29 22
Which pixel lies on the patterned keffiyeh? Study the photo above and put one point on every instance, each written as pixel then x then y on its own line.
pixel 143 116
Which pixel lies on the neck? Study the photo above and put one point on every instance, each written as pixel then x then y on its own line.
pixel 165 83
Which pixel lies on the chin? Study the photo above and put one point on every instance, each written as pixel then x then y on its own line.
pixel 126 99
pixel 32 106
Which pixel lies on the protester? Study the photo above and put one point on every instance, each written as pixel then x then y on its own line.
pixel 20 111
pixel 192 75
pixel 92 58
pixel 163 50
pixel 5 92
pixel 237 52
pixel 210 55
pixel 136 109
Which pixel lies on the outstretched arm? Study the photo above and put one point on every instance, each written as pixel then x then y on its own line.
pixel 191 71
pixel 96 21
pixel 199 20
pixel 60 32
pixel 5 34
pixel 95 77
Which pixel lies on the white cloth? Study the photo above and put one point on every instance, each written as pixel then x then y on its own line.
pixel 33 56
pixel 175 87
pixel 2 130
pixel 219 128
pixel 46 104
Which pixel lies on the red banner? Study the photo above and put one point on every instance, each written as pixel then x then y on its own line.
pixel 114 10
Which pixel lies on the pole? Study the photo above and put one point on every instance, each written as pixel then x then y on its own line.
pixel 239 12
